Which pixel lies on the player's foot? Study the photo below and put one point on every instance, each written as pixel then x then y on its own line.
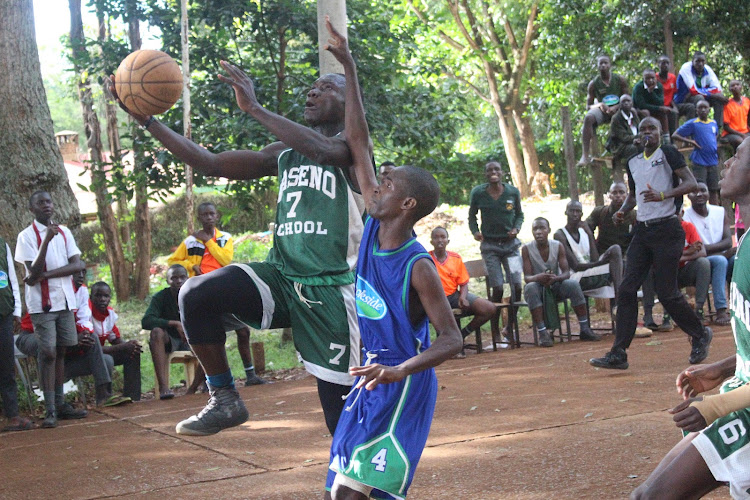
pixel 67 412
pixel 254 380
pixel 50 420
pixel 224 409
pixel 588 335
pixel 700 347
pixel 649 323
pixel 545 339
pixel 614 359
pixel 666 325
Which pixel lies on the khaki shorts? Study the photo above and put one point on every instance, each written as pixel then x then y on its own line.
pixel 55 329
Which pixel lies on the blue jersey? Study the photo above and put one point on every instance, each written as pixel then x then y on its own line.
pixel 383 282
pixel 704 133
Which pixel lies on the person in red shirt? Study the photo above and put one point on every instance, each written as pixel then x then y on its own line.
pixel 736 116
pixel 669 82
pixel 695 269
pixel 455 280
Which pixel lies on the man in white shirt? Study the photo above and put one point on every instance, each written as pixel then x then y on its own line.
pixel 50 256
pixel 713 227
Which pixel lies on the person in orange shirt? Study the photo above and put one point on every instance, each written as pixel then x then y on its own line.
pixel 736 116
pixel 204 251
pixel 455 280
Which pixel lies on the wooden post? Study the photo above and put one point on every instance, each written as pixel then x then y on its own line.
pixel 186 124
pixel 336 11
pixel 259 357
pixel 596 173
pixel 570 154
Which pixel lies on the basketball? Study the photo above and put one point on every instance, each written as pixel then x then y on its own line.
pixel 148 82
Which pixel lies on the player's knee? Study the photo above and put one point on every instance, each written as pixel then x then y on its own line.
pixel 158 336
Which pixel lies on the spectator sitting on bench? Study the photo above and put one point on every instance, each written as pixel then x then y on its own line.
pixel 162 318
pixel 598 275
pixel 118 352
pixel 669 84
pixel 695 81
pixel 648 97
pixel 603 102
pixel 547 276
pixel 622 131
pixel 695 270
pixel 455 280
pixel 600 220
pixel 714 230
pixel 705 157
pixel 736 116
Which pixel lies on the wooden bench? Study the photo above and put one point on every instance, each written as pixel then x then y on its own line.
pixel 190 362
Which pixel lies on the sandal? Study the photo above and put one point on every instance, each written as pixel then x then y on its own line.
pixel 116 401
pixel 722 318
pixel 21 424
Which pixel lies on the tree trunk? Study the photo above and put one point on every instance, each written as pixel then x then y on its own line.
pixel 29 155
pixel 186 124
pixel 112 244
pixel 142 217
pixel 530 158
pixel 668 40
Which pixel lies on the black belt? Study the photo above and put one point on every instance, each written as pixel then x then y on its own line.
pixel 653 222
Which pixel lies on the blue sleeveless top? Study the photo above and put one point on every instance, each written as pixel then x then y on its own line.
pixel 383 282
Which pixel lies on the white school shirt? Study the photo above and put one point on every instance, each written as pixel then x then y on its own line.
pixel 710 228
pixel 83 311
pixel 59 251
pixel 13 280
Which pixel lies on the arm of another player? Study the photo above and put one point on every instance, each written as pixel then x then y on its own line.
pixel 426 282
pixel 355 124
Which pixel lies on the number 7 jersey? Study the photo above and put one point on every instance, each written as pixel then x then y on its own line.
pixel 318 223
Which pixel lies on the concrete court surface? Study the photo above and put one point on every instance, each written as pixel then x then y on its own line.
pixel 529 423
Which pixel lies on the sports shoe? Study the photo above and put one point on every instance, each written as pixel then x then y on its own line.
pixel 666 325
pixel 224 409
pixel 545 338
pixel 254 380
pixel 614 359
pixel 700 347
pixel 50 420
pixel 587 334
pixel 67 412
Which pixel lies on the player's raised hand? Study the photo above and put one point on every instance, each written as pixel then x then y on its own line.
pixel 337 44
pixel 697 379
pixel 244 90
pixel 375 374
pixel 112 90
pixel 687 417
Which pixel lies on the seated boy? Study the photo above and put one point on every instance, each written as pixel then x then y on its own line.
pixel 546 272
pixel 455 280
pixel 622 130
pixel 118 352
pixel 705 157
pixel 736 115
pixel 397 291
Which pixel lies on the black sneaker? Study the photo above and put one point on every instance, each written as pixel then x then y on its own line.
pixel 700 347
pixel 588 335
pixel 50 420
pixel 67 412
pixel 650 324
pixel 254 380
pixel 617 360
pixel 545 338
pixel 224 409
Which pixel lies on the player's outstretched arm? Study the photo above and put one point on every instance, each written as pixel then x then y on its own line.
pixel 311 143
pixel 231 164
pixel 425 281
pixel 355 124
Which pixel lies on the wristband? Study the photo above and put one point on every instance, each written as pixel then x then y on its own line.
pixel 720 405
pixel 660 192
pixel 151 120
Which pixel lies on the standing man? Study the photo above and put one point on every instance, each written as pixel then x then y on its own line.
pixel 697 81
pixel 502 217
pixel 736 116
pixel 658 178
pixel 10 318
pixel 603 102
pixel 701 133
pixel 50 255
pixel 206 250
pixel 668 82
pixel 307 281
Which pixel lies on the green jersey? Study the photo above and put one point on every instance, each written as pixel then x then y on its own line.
pixel 318 223
pixel 740 310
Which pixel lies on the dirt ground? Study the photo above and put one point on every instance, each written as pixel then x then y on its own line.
pixel 529 423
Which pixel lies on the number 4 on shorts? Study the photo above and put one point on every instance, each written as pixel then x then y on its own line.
pixel 379 460
pixel 381 463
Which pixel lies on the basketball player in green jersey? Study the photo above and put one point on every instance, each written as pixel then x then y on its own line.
pixel 307 281
pixel 717 448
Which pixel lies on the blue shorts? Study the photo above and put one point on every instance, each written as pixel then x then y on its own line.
pixel 381 433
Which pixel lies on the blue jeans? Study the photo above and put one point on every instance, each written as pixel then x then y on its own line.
pixel 718 280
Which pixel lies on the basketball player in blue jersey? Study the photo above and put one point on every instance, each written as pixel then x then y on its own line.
pixel 384 426
pixel 717 448
pixel 307 281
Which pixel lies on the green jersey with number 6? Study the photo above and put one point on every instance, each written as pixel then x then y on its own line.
pixel 740 310
pixel 318 223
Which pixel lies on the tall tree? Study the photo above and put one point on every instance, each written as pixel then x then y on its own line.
pixel 29 156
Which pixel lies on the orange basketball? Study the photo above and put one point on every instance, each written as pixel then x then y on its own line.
pixel 148 82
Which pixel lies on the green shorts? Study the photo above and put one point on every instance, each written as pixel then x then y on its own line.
pixel 323 320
